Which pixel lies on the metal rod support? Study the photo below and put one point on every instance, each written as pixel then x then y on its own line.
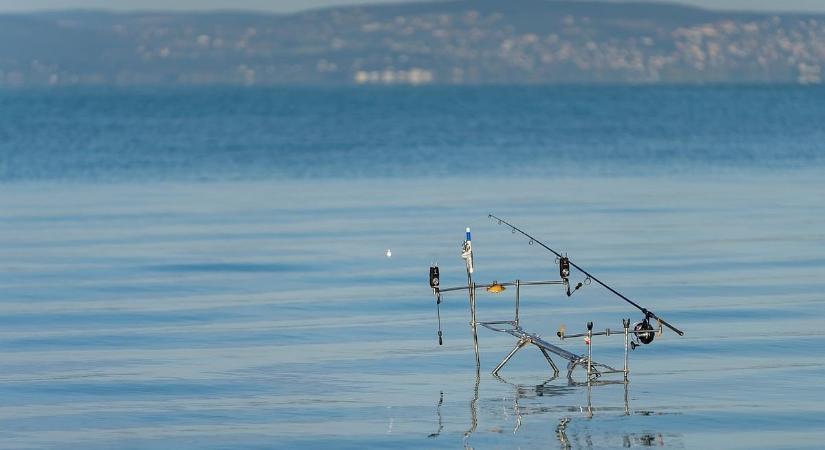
pixel 626 324
pixel 472 293
pixel 512 283
pixel 601 333
pixel 589 356
pixel 498 322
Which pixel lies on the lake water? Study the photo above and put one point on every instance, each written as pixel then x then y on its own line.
pixel 206 268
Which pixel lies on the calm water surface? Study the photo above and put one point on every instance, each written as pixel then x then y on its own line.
pixel 168 283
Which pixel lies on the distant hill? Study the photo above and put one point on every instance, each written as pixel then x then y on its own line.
pixel 446 42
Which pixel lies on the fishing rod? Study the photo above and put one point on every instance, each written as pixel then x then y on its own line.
pixel 564 260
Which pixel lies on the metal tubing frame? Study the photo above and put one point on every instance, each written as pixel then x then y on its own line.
pixel 471 288
pixel 594 369
pixel 589 355
pixel 603 333
pixel 626 325
pixel 518 289
pixel 525 338
pixel 592 372
pixel 545 347
pixel 509 283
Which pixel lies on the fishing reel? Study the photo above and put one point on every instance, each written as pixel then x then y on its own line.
pixel 644 333
pixel 564 274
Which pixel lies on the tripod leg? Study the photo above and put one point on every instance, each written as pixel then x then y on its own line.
pixel 570 368
pixel 521 343
pixel 552 364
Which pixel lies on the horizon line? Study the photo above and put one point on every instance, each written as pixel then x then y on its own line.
pixel 264 11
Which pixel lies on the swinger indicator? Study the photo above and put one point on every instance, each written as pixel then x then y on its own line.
pixel 564 267
pixel 434 278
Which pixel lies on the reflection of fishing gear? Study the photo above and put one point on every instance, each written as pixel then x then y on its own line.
pixel 647 313
pixel 438 412
pixel 561 435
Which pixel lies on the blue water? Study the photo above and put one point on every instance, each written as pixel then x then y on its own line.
pixel 206 268
pixel 241 134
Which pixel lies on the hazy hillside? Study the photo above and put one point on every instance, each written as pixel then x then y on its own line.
pixel 464 41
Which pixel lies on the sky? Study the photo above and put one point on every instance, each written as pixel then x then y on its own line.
pixel 297 5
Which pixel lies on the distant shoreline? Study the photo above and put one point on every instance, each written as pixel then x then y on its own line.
pixel 462 42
